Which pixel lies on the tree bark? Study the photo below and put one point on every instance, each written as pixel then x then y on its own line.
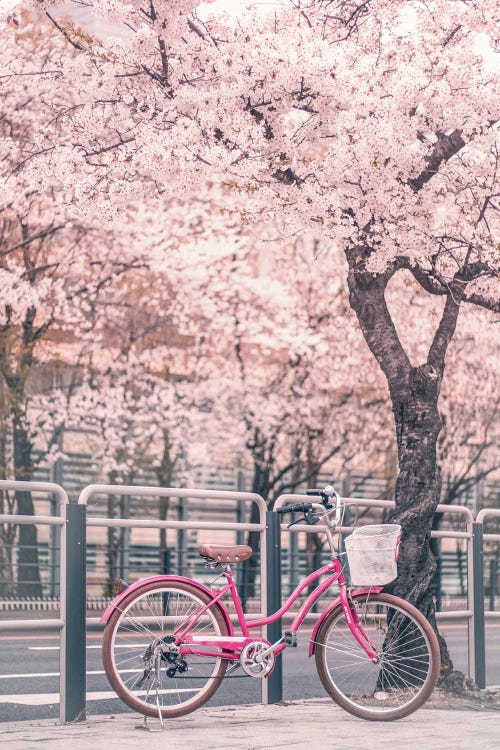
pixel 165 474
pixel 28 572
pixel 261 485
pixel 8 531
pixel 414 393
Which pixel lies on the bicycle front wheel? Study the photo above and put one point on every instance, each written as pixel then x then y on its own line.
pixel 408 659
pixel 140 658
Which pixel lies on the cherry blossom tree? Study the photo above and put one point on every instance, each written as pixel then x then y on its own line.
pixel 51 278
pixel 370 125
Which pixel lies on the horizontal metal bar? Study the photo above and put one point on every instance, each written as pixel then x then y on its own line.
pixel 319 527
pixel 48 488
pixel 459 614
pixel 491 537
pixel 451 535
pixel 31 625
pixel 34 520
pixel 312 617
pixel 370 502
pixel 140 491
pixel 157 524
pixel 492 512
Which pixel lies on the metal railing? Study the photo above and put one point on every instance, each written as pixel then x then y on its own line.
pixel 65 627
pixel 206 495
pixel 478 577
pixel 73 522
pixel 475 603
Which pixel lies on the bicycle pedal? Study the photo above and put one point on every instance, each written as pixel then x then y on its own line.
pixel 290 639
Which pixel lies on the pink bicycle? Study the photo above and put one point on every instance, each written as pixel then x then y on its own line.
pixel 169 641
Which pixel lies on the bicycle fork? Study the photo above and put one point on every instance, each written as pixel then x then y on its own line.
pixel 351 617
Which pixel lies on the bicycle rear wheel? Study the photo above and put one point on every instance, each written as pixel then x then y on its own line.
pixel 139 657
pixel 408 666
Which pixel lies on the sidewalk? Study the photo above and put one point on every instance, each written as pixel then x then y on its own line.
pixel 312 725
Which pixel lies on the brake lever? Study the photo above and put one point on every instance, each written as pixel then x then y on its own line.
pixel 311 518
pixel 308 517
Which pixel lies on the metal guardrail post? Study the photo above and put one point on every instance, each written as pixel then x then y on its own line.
pixel 274 682
pixel 73 651
pixel 478 612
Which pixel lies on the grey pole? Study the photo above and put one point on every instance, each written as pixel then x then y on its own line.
pixel 273 576
pixel 478 613
pixel 73 651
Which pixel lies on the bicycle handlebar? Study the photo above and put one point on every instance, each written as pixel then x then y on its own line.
pixel 296 508
pixel 327 494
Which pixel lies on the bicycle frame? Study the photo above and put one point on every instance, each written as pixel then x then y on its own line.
pixel 167 629
pixel 232 645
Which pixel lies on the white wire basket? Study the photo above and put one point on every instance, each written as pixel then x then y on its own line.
pixel 372 553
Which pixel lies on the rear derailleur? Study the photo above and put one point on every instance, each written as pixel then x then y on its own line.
pixel 170 654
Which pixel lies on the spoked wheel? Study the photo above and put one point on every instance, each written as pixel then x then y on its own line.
pixel 408 659
pixel 141 660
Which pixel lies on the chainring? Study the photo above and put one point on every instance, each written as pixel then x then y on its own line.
pixel 249 659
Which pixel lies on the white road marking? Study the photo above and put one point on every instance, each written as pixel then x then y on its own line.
pixel 52 648
pixel 98 646
pixel 38 674
pixel 49 699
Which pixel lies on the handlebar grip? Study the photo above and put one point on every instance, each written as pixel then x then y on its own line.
pixel 315 493
pixel 297 508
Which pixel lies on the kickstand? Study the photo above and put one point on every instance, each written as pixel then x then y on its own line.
pixel 144 725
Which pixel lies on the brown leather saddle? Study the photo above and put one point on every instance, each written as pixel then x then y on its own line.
pixel 225 553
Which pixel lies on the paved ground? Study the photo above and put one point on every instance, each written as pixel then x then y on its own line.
pixel 315 724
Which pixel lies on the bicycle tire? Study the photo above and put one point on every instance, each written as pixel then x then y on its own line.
pixel 409 662
pixel 129 646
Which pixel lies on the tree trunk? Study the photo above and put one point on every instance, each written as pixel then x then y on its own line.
pixel 414 393
pixel 8 531
pixel 261 486
pixel 165 474
pixel 28 571
pixel 417 493
pixel 113 546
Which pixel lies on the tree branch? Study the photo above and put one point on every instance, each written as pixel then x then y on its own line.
pixel 366 296
pixel 445 147
pixel 445 331
pixel 41 235
pixel 478 299
pixel 63 32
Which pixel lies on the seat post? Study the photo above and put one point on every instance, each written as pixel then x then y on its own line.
pixel 237 601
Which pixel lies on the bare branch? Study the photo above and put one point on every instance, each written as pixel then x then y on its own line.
pixel 63 32
pixel 446 146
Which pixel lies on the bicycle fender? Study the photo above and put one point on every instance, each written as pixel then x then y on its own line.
pixel 357 592
pixel 164 579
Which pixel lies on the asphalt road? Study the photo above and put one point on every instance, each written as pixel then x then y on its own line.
pixel 29 674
